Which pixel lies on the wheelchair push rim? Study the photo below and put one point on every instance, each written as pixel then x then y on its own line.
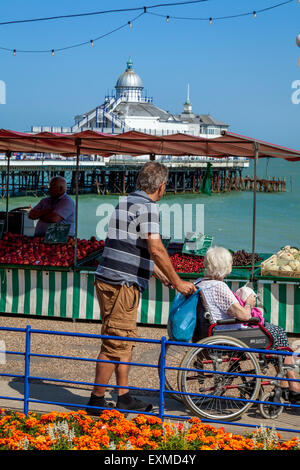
pixel 213 387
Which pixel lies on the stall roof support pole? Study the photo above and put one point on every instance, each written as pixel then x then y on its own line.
pixel 8 155
pixel 256 152
pixel 78 142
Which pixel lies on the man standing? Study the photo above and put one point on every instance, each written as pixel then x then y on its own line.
pixel 58 208
pixel 133 251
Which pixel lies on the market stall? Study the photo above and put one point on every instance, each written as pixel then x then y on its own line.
pixel 53 288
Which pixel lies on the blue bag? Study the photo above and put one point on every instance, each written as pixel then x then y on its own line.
pixel 183 317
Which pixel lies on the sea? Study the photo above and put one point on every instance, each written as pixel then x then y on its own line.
pixel 227 217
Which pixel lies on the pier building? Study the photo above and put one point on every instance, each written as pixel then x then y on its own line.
pixel 130 109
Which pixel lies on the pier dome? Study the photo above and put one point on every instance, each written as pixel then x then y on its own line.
pixel 129 85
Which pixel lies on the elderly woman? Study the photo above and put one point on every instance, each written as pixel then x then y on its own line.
pixel 223 304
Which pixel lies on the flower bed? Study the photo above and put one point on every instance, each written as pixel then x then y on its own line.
pixel 78 431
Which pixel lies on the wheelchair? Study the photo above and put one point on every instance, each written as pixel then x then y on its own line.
pixel 217 383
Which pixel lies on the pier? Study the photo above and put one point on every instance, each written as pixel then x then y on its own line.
pixel 117 176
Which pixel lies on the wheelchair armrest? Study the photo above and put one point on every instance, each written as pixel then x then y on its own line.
pixel 230 321
pixel 253 321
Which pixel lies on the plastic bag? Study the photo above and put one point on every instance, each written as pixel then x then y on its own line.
pixel 183 317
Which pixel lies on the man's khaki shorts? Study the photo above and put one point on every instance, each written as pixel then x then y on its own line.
pixel 118 309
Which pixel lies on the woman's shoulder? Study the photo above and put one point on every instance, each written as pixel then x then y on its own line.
pixel 214 284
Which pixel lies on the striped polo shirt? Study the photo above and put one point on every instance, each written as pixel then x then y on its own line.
pixel 126 259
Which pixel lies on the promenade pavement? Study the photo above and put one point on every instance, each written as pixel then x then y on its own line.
pixel 71 394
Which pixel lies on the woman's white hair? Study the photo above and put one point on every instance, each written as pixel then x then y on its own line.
pixel 217 262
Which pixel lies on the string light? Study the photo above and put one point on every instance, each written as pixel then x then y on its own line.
pixel 298 40
pixel 145 10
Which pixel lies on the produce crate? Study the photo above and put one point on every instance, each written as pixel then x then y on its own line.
pixel 91 257
pixel 265 272
pixel 205 243
pixel 263 257
pixel 37 267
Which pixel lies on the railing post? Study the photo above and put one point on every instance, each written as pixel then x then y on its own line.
pixel 162 378
pixel 27 369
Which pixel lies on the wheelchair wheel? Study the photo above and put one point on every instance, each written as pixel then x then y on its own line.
pixel 270 411
pixel 221 396
pixel 174 357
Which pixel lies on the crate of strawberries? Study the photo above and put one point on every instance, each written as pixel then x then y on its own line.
pixel 27 251
pixel 188 264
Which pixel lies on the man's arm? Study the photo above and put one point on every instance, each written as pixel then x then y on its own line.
pixel 52 217
pixel 160 275
pixel 162 260
pixel 46 215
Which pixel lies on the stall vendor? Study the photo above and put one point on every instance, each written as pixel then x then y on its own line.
pixel 57 208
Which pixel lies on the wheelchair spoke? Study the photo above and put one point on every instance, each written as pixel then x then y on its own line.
pixel 219 376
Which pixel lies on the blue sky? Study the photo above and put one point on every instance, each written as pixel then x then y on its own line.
pixel 239 70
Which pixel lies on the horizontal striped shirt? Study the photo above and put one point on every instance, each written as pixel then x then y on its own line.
pixel 126 259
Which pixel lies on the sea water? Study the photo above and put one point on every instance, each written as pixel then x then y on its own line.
pixel 228 217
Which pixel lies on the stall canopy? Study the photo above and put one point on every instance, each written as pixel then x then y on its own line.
pixel 136 143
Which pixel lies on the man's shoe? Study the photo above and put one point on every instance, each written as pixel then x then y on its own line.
pixel 97 401
pixel 127 402
pixel 294 397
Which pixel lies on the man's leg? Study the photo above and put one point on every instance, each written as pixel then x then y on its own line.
pixel 104 371
pixel 122 376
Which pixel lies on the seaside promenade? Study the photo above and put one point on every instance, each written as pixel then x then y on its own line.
pixel 48 390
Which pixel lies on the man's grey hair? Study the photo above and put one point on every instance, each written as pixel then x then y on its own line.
pixel 59 179
pixel 217 262
pixel 151 176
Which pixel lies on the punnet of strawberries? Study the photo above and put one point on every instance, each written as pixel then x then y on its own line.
pixel 24 250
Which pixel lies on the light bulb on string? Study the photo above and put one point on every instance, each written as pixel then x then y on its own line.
pixel 92 42
pixel 14 52
pixel 298 40
pixel 210 20
pixel 254 14
pixel 52 52
pixel 129 24
pixel 167 19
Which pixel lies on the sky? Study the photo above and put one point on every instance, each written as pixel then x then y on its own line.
pixel 240 70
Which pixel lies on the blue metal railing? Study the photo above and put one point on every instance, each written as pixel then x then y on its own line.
pixel 162 391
